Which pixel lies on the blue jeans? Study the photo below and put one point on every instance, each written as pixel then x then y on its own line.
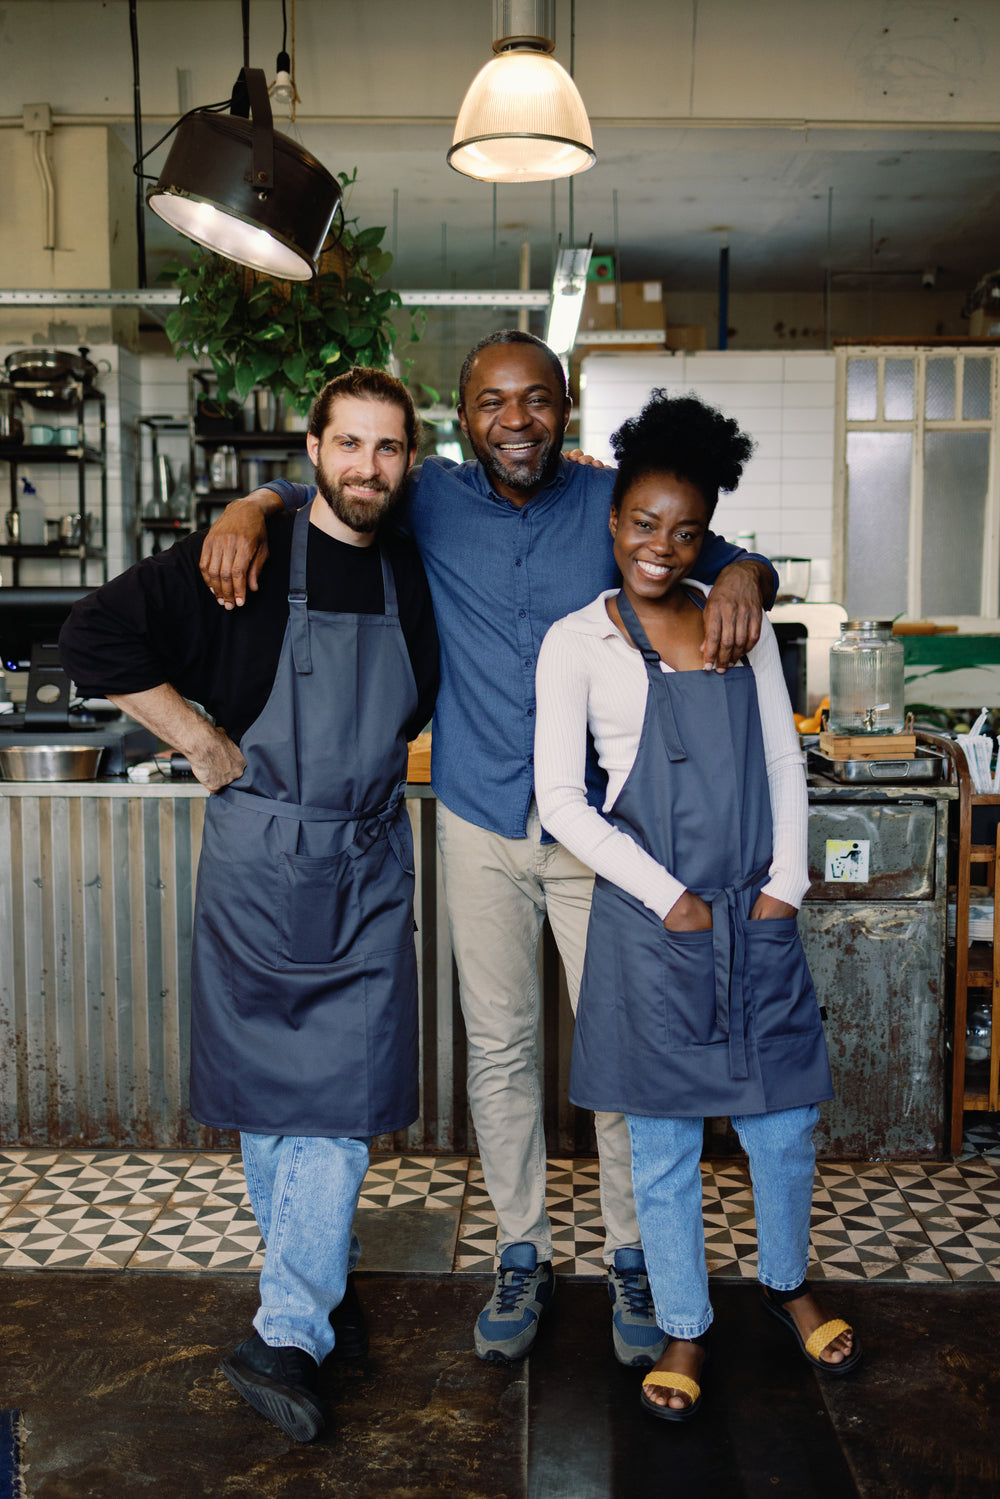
pixel 304 1192
pixel 666 1176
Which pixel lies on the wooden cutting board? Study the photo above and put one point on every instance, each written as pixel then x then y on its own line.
pixel 868 746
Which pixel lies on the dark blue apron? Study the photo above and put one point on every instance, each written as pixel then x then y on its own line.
pixel 304 985
pixel 693 1024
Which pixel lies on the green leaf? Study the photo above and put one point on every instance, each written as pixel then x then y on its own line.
pixel 358 337
pixel 264 362
pixel 174 326
pixel 273 330
pixel 245 381
pixel 328 353
pixel 379 263
pixel 295 369
pixel 368 238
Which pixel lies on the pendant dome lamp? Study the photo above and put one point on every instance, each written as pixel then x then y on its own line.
pixel 234 185
pixel 522 119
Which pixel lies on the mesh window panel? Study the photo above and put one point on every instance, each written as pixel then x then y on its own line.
pixel 956 466
pixel 897 398
pixel 976 389
pixel 878 517
pixel 862 390
pixel 940 403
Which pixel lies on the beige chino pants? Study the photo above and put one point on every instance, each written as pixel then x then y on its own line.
pixel 498 891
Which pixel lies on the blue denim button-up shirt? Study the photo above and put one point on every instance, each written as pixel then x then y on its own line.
pixel 499 577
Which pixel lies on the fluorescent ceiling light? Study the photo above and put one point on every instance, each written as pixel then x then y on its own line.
pixel 569 285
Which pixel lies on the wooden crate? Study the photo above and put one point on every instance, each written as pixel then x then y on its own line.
pixel 419 762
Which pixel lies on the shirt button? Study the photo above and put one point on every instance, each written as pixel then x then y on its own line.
pixel 527 661
pixel 517 562
pixel 520 614
pixel 531 712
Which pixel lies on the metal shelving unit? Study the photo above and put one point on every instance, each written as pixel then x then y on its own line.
pixel 87 459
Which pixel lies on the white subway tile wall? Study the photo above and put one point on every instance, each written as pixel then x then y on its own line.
pixel 785 401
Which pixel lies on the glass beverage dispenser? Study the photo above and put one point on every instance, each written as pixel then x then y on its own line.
pixel 866 679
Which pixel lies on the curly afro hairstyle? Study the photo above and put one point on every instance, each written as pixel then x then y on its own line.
pixel 680 435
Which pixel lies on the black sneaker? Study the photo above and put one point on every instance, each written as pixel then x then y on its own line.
pixel 280 1383
pixel 349 1325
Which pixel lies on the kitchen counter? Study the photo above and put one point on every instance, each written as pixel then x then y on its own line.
pixel 96 904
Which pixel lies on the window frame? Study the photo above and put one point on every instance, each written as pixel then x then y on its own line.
pixel 988 616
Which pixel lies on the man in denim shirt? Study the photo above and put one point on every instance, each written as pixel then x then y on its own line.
pixel 511 543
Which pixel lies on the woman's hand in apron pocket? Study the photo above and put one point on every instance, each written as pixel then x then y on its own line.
pixel 689 914
pixel 766 908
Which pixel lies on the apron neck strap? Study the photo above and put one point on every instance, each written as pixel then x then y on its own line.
pixel 298 597
pixel 660 695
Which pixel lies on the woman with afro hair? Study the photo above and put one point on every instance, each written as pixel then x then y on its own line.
pixel 696 999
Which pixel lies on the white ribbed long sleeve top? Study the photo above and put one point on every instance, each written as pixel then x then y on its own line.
pixel 589 675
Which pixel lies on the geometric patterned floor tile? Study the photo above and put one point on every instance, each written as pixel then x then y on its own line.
pixel 111 1177
pixel 406 1181
pixel 20 1170
pixel 201 1238
pixel 572 1197
pixel 79 1236
pixel 188 1210
pixel 477 1228
pixel 864 1229
pixel 982 1135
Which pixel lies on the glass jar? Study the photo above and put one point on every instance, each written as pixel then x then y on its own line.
pixel 866 679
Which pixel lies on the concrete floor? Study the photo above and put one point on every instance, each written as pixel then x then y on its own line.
pixel 117 1384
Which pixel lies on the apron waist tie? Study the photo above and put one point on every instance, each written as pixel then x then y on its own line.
pixel 728 955
pixel 385 815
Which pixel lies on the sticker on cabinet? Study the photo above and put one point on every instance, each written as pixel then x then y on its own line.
pixel 847 860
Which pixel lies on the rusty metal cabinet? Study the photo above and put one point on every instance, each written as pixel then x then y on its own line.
pixel 874 927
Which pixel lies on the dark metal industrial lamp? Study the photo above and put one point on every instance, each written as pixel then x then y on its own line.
pixel 233 184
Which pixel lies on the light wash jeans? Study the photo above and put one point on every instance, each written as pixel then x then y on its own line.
pixel 666 1155
pixel 304 1192
pixel 499 891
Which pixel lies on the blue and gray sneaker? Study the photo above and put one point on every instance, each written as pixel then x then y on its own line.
pixel 506 1326
pixel 637 1339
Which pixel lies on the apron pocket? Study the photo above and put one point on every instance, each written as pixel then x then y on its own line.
pixel 345 906
pixel 322 912
pixel 781 987
pixel 687 982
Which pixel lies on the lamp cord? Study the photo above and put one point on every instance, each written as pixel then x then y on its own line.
pixel 140 207
pixel 245 9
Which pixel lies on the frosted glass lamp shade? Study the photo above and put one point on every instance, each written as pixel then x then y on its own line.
pixel 522 120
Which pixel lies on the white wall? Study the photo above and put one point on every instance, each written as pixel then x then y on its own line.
pixel 784 401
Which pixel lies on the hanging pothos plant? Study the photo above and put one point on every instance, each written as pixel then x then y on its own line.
pixel 288 337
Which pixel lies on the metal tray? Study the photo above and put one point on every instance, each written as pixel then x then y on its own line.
pixel 926 765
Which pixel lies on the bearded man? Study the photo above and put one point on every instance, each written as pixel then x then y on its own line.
pixel 304 994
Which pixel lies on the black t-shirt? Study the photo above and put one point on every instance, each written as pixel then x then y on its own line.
pixel 159 623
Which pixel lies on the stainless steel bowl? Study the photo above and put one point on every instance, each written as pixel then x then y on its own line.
pixel 49 762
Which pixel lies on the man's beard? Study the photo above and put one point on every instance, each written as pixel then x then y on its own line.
pixel 362 516
pixel 526 475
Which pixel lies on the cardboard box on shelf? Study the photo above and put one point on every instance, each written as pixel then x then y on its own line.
pixel 686 337
pixel 641 306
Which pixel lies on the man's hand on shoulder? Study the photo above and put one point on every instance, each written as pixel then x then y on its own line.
pixel 577 455
pixel 235 549
pixel 734 612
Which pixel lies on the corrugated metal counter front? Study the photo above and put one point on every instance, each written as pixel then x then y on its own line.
pixel 96 901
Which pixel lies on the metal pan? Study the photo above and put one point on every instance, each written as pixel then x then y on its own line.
pixel 926 765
